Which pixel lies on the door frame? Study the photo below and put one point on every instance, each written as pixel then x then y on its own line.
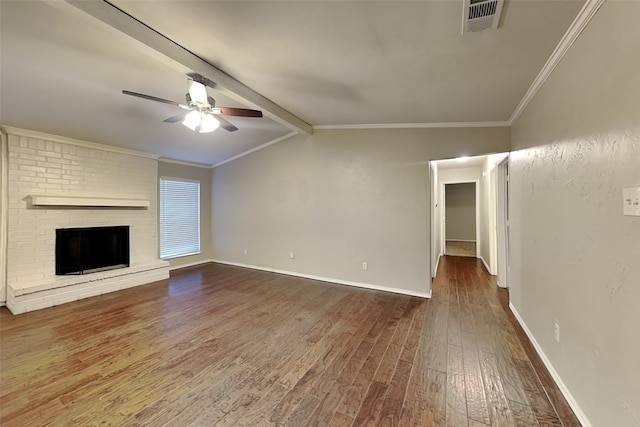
pixel 493 221
pixel 443 210
pixel 502 221
pixel 435 257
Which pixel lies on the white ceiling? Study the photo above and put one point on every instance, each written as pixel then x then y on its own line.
pixel 326 62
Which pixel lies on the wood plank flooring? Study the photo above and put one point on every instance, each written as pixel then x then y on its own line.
pixel 224 346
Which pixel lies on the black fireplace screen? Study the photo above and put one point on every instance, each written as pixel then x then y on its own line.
pixel 88 250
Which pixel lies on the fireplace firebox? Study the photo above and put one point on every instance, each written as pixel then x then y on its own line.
pixel 89 250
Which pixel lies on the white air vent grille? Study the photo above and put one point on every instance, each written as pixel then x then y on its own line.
pixel 479 15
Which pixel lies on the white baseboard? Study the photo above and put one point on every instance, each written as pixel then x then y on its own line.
pixel 330 280
pixel 485 264
pixel 556 377
pixel 191 264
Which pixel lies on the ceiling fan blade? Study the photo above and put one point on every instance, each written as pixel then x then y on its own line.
pixel 239 112
pixel 155 98
pixel 176 118
pixel 224 124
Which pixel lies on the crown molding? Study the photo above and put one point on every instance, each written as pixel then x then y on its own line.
pixel 582 19
pixel 183 163
pixel 413 125
pixel 80 143
pixel 259 147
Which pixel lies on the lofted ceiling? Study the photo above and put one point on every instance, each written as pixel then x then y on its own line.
pixel 321 63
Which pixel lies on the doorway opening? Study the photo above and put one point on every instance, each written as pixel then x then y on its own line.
pixel 460 218
pixel 486 177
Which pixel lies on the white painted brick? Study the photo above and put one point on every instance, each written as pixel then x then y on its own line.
pixel 44 185
pixel 33 298
pixel 27 160
pixel 111 288
pixel 38 306
pixel 39 166
pixel 31 168
pixel 17 308
pixel 65 299
pixel 31 177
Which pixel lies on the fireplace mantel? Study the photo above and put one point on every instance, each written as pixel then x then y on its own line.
pixel 106 202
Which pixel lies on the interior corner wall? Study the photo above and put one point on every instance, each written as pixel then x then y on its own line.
pixel 203 175
pixel 574 255
pixel 338 198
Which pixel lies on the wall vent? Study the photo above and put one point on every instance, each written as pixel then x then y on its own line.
pixel 479 15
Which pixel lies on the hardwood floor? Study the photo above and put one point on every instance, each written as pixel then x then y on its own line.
pixel 222 345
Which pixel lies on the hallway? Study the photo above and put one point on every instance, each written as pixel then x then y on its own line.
pixel 491 365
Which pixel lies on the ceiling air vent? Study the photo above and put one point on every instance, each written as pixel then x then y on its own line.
pixel 479 15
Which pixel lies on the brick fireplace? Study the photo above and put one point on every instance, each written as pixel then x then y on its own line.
pixel 56 183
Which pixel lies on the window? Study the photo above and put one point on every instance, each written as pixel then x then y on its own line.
pixel 179 217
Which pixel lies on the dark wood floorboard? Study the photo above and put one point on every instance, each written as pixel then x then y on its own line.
pixel 218 345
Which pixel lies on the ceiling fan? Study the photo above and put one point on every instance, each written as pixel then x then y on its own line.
pixel 202 115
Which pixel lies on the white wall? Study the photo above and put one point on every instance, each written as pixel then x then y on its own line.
pixel 338 198
pixel 41 164
pixel 575 257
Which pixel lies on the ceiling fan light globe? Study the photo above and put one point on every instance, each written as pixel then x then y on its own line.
pixel 192 120
pixel 208 123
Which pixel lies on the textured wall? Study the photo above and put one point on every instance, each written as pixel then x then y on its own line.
pixel 575 257
pixel 338 198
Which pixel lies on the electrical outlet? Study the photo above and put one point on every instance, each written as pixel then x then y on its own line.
pixel 365 266
pixel 244 251
pixel 292 255
pixel 556 331
pixel 631 201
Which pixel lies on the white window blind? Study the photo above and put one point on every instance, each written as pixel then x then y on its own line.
pixel 179 217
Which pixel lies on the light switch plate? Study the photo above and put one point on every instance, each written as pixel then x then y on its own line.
pixel 631 201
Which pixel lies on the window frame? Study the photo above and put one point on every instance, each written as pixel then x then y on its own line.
pixel 196 247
